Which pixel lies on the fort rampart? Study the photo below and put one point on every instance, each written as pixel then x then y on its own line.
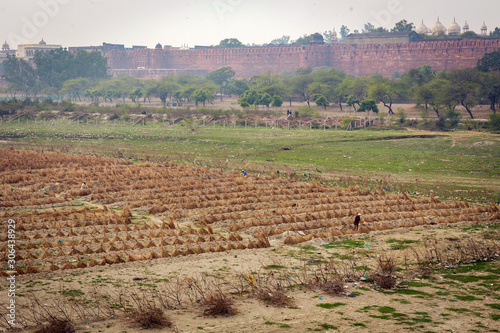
pixel 354 59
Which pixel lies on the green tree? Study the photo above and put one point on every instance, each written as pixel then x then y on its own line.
pixel 135 94
pixel 304 40
pixel 419 75
pixel 464 88
pixel 265 99
pixel 322 101
pixel 201 96
pixel 20 75
pixel 489 62
pixel 221 77
pixel 424 95
pixel 57 66
pixel 250 97
pixel 268 82
pixel 111 94
pixel 166 88
pixel 75 87
pixel 303 70
pixel 344 31
pixel 342 91
pixel 238 87
pixel 383 92
pixel 402 26
pixel 282 40
pixel 277 101
pixel 489 84
pixel 469 34
pixel 453 117
pixel 436 94
pixel 368 27
pixel 495 33
pixel 91 65
pixel 352 101
pixel 368 105
pixel 300 85
pixel 494 122
pixel 230 42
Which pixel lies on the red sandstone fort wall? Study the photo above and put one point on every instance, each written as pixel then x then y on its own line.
pixel 357 59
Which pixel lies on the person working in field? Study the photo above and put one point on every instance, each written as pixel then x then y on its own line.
pixel 357 219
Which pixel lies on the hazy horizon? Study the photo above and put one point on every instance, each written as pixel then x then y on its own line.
pixel 197 22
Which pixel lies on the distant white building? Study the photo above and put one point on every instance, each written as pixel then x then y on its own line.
pixel 28 51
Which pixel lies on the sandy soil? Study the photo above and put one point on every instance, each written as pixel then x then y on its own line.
pixel 255 316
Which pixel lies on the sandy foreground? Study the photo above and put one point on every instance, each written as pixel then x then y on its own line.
pixel 438 308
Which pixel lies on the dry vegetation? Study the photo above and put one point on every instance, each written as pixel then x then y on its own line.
pixel 192 210
pixel 138 212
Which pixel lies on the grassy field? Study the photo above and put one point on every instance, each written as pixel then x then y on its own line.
pixel 453 164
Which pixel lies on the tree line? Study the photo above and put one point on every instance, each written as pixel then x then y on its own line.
pixel 49 71
pixel 83 75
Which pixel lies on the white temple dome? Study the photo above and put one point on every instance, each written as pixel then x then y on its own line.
pixel 438 28
pixel 454 28
pixel 422 29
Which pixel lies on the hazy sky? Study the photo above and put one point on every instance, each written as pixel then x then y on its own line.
pixel 207 22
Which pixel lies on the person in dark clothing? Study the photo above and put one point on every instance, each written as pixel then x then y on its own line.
pixel 357 219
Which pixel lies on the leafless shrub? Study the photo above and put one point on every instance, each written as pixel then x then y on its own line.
pixel 56 325
pixel 275 297
pixel 436 253
pixel 219 304
pixel 384 277
pixel 152 318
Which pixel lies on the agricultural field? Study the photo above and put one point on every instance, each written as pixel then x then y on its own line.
pixel 168 231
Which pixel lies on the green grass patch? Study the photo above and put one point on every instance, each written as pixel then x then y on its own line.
pixel 398 315
pixel 467 298
pixel 346 244
pixel 274 267
pixel 330 305
pixel 384 317
pixel 362 268
pixel 471 278
pixel 401 244
pixel 386 309
pixel 72 292
pixel 328 327
pixel 494 305
pixel 400 300
pixel 417 284
pixel 367 308
pixel 459 310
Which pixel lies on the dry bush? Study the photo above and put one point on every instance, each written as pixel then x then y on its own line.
pixel 219 304
pixel 275 297
pixel 384 281
pixel 152 318
pixel 56 325
pixel 384 276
